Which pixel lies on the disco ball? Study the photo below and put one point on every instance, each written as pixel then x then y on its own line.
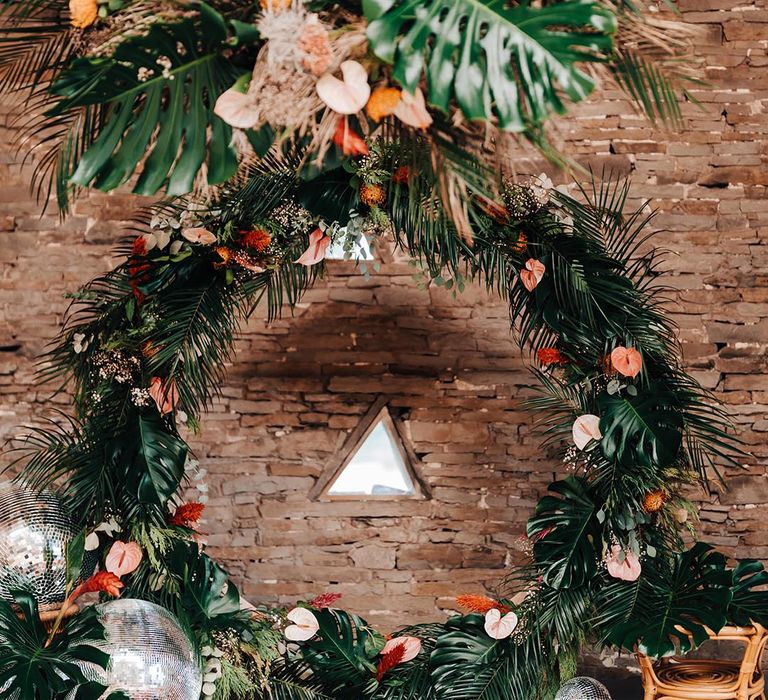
pixel 583 688
pixel 151 657
pixel 35 531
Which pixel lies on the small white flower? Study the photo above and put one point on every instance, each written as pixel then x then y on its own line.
pixel 541 186
pixel 109 527
pixel 144 74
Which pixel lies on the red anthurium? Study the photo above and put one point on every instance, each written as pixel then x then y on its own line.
pixel 348 140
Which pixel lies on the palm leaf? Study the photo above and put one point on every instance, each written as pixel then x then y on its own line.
pixel 509 64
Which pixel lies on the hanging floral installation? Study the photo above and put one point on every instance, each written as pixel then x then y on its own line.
pixel 276 129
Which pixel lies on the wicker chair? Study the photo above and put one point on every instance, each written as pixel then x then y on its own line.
pixel 679 678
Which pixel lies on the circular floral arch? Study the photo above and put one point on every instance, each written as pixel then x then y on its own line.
pixel 326 121
pixel 146 344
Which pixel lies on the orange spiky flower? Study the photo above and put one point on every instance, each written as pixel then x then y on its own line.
pixel 551 356
pixel 389 660
pixel 100 582
pixel 258 239
pixel 372 195
pixel 480 604
pixel 186 515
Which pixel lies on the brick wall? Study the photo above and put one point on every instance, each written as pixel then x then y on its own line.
pixel 448 364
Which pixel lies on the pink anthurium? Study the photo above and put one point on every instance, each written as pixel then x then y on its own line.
pixel 123 558
pixel 625 567
pixel 585 429
pixel 348 95
pixel 412 110
pixel 165 395
pixel 318 247
pixel 626 361
pixel 411 647
pixel 532 274
pixel 199 235
pixel 304 627
pixel 498 626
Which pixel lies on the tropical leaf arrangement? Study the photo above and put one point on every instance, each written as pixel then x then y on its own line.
pixel 279 129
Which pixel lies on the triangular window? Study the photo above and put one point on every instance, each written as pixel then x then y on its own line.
pixel 375 462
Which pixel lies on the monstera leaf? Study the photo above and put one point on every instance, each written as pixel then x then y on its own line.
pixel 498 62
pixel 155 97
pixel 36 667
pixel 687 597
pixel 341 654
pixel 159 463
pixel 644 430
pixel 749 594
pixel 566 533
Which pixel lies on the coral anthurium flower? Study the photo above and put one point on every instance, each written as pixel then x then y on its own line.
pixel 324 600
pixel 123 558
pixel 304 627
pixel 623 565
pixel 412 110
pixel 348 95
pixel 532 274
pixel 585 429
pixel 626 361
pixel 199 235
pixel 498 626
pixel 165 396
pixel 83 13
pixel 382 103
pixel 186 514
pixel 348 140
pixel 318 247
pixel 237 109
pixel 397 651
pixel 479 603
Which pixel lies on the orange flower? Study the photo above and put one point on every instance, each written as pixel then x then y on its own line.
pixel 402 175
pixel 350 143
pixel 521 244
pixel 83 13
pixel 100 582
pixel 480 604
pixel 382 102
pixel 137 268
pixel 187 514
pixel 148 349
pixel 256 238
pixel 225 254
pixel 373 195
pixel 551 356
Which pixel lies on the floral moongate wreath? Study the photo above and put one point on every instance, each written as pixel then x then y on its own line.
pixel 146 344
pixel 296 125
